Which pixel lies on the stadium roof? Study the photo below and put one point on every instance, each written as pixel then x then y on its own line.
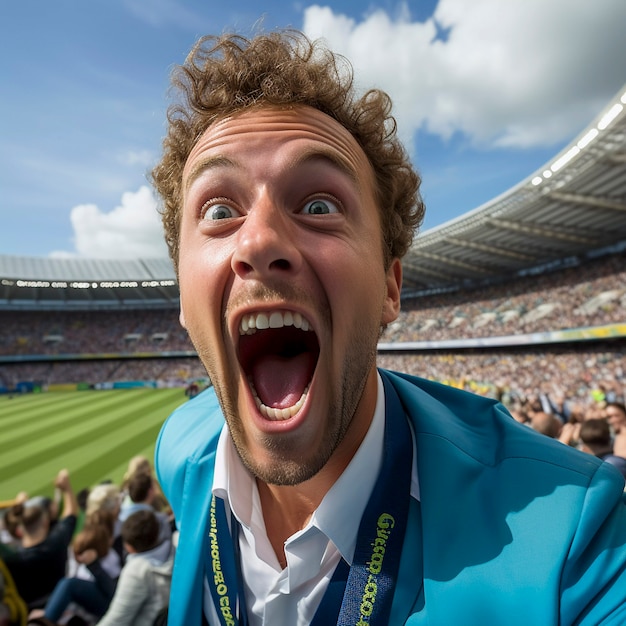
pixel 571 208
pixel 27 282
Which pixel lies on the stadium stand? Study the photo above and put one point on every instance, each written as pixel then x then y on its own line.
pixel 523 299
pixel 539 270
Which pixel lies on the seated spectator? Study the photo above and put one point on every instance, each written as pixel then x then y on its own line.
pixel 546 423
pixel 595 438
pixel 106 499
pixel 144 585
pixel 138 463
pixel 93 584
pixel 615 413
pixel 141 493
pixel 141 465
pixel 41 560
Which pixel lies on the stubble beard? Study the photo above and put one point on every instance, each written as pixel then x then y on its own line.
pixel 284 469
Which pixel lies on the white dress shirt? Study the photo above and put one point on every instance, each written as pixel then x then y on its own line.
pixel 291 596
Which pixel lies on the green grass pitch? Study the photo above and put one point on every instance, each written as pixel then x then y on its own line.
pixel 91 433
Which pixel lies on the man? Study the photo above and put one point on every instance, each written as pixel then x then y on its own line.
pixel 595 438
pixel 546 424
pixel 142 492
pixel 337 493
pixel 143 587
pixel 615 413
pixel 41 561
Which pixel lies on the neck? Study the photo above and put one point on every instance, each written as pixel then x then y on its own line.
pixel 33 539
pixel 286 510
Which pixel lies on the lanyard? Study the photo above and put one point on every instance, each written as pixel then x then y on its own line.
pixel 360 595
pixel 223 567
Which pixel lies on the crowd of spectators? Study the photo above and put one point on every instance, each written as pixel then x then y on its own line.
pixel 104 558
pixel 586 295
pixel 591 294
pixel 579 376
pixel 91 332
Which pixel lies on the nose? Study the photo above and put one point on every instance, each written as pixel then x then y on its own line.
pixel 266 242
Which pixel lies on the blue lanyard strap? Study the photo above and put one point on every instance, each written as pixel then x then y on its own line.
pixel 222 568
pixel 372 579
pixel 359 595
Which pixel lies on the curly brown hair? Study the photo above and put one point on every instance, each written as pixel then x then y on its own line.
pixel 227 74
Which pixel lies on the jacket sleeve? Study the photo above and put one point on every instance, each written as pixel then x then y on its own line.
pixel 133 590
pixel 594 574
pixel 105 583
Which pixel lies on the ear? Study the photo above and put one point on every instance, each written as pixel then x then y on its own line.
pixel 181 317
pixel 391 306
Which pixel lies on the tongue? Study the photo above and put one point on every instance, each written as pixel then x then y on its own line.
pixel 280 381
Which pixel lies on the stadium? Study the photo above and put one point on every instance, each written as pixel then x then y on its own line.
pixel 540 267
pixel 523 298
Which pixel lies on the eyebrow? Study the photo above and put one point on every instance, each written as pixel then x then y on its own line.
pixel 330 156
pixel 206 164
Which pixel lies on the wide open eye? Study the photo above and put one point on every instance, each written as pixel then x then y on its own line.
pixel 213 211
pixel 320 206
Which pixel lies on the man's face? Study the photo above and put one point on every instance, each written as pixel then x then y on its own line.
pixel 283 288
pixel 616 418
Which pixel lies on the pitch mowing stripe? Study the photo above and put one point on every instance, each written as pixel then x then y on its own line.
pixel 91 455
pixel 68 417
pixel 112 446
pixel 90 428
pixel 34 406
pixel 51 429
pixel 117 474
pixel 87 464
pixel 103 466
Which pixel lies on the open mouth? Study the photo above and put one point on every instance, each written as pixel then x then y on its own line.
pixel 278 352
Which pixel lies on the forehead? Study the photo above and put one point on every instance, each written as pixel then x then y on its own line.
pixel 296 131
pixel 614 410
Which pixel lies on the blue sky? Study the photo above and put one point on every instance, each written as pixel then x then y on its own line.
pixel 486 92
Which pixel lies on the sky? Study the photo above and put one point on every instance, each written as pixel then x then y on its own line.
pixel 485 93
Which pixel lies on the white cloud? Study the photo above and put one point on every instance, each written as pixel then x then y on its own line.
pixel 131 230
pixel 520 73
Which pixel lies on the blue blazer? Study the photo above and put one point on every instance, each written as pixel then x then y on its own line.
pixel 512 527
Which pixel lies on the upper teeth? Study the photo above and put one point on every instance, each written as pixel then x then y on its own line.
pixel 276 319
